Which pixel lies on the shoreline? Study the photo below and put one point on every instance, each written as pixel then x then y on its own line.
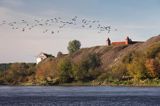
pixel 81 85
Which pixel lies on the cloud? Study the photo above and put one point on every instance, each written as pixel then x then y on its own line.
pixel 49 13
pixel 7 13
pixel 139 26
pixel 9 9
pixel 3 11
pixel 11 2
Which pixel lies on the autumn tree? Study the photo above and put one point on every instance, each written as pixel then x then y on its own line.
pixel 46 72
pixel 153 67
pixel 118 71
pixel 18 73
pixel 137 69
pixel 153 50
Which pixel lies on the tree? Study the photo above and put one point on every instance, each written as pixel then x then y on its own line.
pixel 81 71
pixel 65 70
pixel 153 67
pixel 73 46
pixel 93 61
pixel 18 73
pixel 88 68
pixel 153 50
pixel 118 71
pixel 137 69
pixel 46 72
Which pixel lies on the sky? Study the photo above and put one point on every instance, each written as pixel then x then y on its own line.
pixel 138 19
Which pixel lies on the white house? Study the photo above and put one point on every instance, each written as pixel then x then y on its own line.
pixel 41 57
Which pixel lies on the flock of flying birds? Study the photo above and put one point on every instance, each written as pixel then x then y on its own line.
pixel 57 24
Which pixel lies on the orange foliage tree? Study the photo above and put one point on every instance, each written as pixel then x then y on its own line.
pixel 46 72
pixel 153 67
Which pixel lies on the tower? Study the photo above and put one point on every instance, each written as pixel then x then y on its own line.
pixel 127 40
pixel 108 42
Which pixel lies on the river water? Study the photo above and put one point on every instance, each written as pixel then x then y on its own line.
pixel 79 96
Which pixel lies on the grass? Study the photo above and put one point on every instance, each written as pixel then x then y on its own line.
pixel 142 83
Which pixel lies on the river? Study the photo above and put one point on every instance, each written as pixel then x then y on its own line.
pixel 79 96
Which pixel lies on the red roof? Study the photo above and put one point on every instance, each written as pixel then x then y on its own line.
pixel 118 43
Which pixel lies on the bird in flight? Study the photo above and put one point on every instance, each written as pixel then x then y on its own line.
pixel 58 24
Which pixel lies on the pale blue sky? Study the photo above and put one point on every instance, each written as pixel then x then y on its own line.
pixel 139 19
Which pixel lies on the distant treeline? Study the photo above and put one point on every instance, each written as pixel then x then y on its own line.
pixel 4 66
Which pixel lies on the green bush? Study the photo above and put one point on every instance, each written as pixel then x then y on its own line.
pixel 65 70
pixel 88 68
pixel 80 72
pixel 93 61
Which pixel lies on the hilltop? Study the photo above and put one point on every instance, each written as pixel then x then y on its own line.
pixel 133 64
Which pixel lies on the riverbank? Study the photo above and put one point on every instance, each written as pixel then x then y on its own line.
pixel 142 83
pixel 145 83
pixel 117 65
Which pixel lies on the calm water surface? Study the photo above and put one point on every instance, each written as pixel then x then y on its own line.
pixel 79 96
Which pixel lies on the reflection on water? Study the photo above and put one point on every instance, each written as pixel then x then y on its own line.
pixel 79 96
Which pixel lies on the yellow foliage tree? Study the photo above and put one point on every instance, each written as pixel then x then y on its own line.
pixel 137 69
